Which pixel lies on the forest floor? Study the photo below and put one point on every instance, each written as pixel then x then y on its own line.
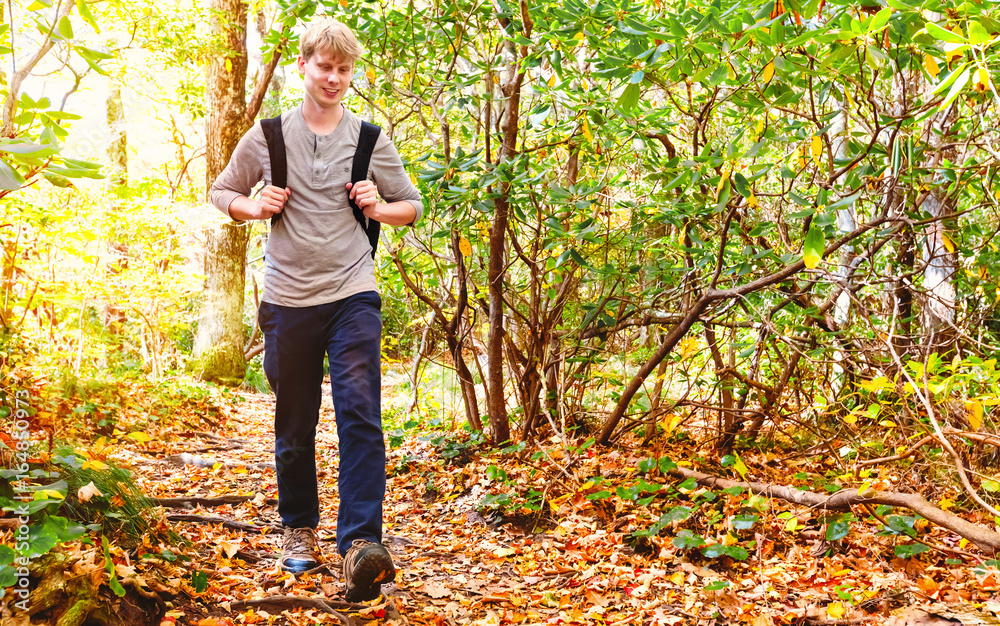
pixel 587 556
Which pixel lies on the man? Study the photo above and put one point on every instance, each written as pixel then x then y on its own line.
pixel 320 299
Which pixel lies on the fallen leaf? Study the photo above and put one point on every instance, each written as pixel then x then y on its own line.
pixel 436 590
pixel 88 491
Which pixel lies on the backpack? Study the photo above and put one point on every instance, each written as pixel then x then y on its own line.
pixel 359 172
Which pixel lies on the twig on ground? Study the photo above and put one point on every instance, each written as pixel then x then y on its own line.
pixel 198 501
pixel 285 603
pixel 226 523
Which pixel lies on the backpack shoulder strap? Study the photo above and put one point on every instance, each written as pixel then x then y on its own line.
pixel 359 172
pixel 276 151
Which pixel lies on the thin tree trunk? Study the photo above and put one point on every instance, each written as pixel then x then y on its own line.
pixel 114 316
pixel 938 313
pixel 511 88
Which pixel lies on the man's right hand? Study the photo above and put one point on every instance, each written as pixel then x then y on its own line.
pixel 272 201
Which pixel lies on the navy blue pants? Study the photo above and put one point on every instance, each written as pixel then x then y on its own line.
pixel 296 340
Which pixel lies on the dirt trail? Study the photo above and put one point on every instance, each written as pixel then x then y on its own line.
pixel 452 566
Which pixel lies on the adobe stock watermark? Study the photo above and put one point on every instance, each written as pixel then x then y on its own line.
pixel 20 433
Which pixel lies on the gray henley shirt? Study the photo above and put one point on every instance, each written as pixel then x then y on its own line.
pixel 318 252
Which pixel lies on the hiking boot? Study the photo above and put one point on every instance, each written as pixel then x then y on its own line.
pixel 298 550
pixel 367 566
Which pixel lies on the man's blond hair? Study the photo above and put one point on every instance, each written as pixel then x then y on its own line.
pixel 327 35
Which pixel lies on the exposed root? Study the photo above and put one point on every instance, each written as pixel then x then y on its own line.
pixel 285 603
pixel 184 503
pixel 226 523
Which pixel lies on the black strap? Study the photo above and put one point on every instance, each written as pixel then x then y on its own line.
pixel 276 150
pixel 359 172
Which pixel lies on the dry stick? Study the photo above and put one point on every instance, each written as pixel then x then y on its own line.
pixel 981 437
pixel 843 500
pixel 226 523
pixel 898 457
pixel 197 501
pixel 285 603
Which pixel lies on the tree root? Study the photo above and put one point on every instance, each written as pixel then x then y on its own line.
pixel 226 523
pixel 843 500
pixel 285 603
pixel 189 459
pixel 186 503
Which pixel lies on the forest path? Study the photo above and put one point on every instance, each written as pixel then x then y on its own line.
pixel 452 567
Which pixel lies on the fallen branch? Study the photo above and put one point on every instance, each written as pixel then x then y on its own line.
pixel 226 523
pixel 286 603
pixel 189 459
pixel 251 557
pixel 197 501
pixel 901 456
pixel 843 500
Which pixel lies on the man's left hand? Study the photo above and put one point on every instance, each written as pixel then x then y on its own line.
pixel 365 195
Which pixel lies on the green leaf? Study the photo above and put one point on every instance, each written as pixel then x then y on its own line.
pixel 837 530
pixel 34 506
pixel 8 576
pixel 676 514
pixel 10 179
pixel 84 10
pixel 7 555
pixel 57 180
pixel 39 4
pixel 956 89
pixel 92 55
pixel 41 539
pixel 199 580
pixel 944 35
pixel 637 77
pixel 66 27
pixel 686 540
pixel 881 19
pixel 109 566
pixel 744 522
pixel 718 585
pixel 25 148
pixel 716 550
pixel 978 35
pixel 812 250
pixel 629 97
pixel 912 549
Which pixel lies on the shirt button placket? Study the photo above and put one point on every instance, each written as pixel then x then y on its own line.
pixel 317 161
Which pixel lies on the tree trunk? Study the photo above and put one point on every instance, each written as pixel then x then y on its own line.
pixel 939 307
pixel 218 346
pixel 117 251
pixel 938 311
pixel 511 88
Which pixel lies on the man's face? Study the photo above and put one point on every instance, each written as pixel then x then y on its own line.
pixel 326 78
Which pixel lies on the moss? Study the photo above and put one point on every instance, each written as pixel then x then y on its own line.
pixel 79 612
pixel 220 365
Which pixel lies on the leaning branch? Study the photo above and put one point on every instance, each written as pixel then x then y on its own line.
pixel 843 500
pixel 707 300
